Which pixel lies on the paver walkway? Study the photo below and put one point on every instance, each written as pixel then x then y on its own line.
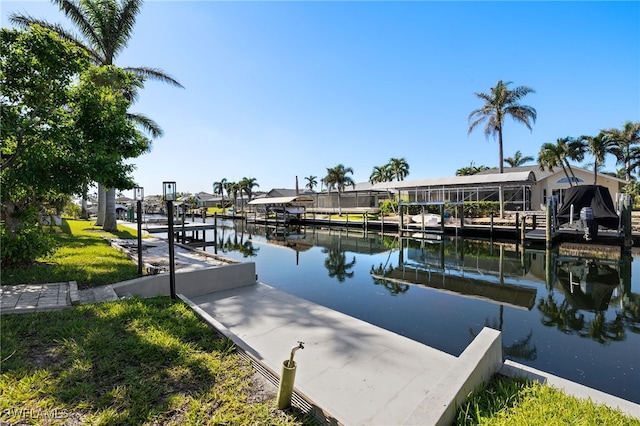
pixel 34 297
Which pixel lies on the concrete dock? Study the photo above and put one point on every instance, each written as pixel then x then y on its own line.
pixel 360 373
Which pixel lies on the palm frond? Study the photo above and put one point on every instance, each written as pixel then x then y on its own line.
pixel 155 74
pixel 146 123
pixel 25 21
pixel 74 12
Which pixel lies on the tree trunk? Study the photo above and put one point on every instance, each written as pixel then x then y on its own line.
pixel 8 215
pixel 564 169
pixel 501 190
pixel 110 224
pixel 84 214
pixel 101 205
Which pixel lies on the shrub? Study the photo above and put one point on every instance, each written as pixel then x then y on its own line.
pixel 29 242
pixel 389 207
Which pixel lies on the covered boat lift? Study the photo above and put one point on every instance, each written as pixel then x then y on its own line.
pixel 282 206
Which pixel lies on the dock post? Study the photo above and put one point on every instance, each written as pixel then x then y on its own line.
pixel 215 232
pixel 442 218
pixel 491 225
pixel 548 233
pixel 400 223
pixel 534 224
pixel 627 242
pixel 549 268
pixel 523 229
pixel 382 224
pixel 518 226
pixel 184 212
pixel 461 207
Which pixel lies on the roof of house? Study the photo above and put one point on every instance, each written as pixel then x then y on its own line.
pixel 511 178
pixel 543 174
pixel 283 200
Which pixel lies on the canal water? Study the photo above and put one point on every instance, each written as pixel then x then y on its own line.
pixel 577 317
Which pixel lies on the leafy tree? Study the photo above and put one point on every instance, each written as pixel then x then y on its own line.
pixel 312 182
pixel 105 27
pixel 38 135
pixel 500 103
pixel 518 159
pixel 337 178
pixel 109 137
pixel 626 146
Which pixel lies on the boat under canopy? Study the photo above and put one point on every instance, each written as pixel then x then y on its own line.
pixel 596 197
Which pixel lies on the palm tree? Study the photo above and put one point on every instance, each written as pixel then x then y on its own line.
pixel 219 188
pixel 518 159
pixel 337 178
pixel 500 103
pixel 598 146
pixel 471 170
pixel 623 148
pixel 106 27
pixel 246 185
pixel 565 149
pixel 399 168
pixel 311 182
pixel 381 174
pixel 550 156
pixel 232 189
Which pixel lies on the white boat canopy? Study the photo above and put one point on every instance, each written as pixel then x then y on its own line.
pixel 282 200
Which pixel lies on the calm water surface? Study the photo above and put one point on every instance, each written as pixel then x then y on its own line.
pixel 575 317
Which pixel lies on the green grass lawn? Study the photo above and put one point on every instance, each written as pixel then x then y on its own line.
pixel 129 362
pixel 505 402
pixel 84 256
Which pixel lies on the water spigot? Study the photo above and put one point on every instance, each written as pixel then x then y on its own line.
pixel 300 345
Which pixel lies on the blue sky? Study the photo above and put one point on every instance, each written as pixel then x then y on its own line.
pixel 275 90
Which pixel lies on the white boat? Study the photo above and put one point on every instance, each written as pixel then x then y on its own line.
pixel 429 219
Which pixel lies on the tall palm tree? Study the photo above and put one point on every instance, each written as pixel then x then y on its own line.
pixel 312 182
pixel 399 168
pixel 337 178
pixel 500 103
pixel 219 188
pixel 105 27
pixel 598 146
pixel 518 159
pixel 624 147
